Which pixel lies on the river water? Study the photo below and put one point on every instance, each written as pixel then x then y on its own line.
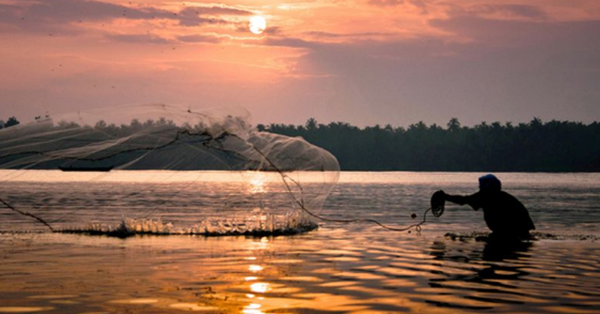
pixel 338 268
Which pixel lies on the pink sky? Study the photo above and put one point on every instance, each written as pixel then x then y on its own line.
pixel 363 62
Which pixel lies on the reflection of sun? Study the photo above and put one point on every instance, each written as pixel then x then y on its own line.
pixel 258 24
pixel 260 287
pixel 252 308
pixel 255 268
pixel 257 183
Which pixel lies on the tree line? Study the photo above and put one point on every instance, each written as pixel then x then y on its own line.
pixel 9 122
pixel 554 146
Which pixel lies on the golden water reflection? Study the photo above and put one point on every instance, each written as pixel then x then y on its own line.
pixel 306 273
pixel 255 268
pixel 252 308
pixel 257 183
pixel 260 287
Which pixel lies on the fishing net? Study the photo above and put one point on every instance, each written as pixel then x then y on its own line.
pixel 160 169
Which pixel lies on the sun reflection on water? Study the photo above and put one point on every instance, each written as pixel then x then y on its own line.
pixel 257 183
pixel 255 268
pixel 260 287
pixel 252 308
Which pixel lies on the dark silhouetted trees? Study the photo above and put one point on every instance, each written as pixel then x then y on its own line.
pixel 554 146
pixel 12 121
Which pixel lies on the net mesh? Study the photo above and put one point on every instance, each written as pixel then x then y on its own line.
pixel 204 172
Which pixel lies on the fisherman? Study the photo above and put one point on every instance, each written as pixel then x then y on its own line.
pixel 503 213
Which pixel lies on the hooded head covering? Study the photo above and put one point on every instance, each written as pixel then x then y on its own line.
pixel 489 182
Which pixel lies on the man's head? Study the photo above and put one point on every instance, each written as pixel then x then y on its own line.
pixel 489 182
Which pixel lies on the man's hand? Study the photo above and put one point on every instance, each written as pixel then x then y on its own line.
pixel 438 200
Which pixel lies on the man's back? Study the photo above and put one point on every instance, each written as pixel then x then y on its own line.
pixel 503 213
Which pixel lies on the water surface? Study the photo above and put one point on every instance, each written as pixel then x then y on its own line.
pixel 339 268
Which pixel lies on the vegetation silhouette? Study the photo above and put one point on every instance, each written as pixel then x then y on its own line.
pixel 12 121
pixel 555 146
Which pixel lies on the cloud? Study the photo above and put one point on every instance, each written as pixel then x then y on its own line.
pixel 243 27
pixel 500 11
pixel 520 10
pixel 322 39
pixel 509 70
pixel 504 33
pixel 200 39
pixel 420 5
pixel 139 38
pixel 386 2
pixel 289 42
pixel 59 11
pixel 355 36
pixel 193 16
pixel 273 30
pixel 62 14
pixel 190 17
pixel 219 10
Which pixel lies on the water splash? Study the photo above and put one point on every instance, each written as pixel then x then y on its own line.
pixel 293 222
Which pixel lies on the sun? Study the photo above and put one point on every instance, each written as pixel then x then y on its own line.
pixel 257 24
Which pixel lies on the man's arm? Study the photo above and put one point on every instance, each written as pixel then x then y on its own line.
pixel 463 200
pixel 457 199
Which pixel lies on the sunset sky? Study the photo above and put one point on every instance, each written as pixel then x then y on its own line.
pixel 362 61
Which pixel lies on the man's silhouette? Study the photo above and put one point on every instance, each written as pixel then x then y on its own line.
pixel 503 213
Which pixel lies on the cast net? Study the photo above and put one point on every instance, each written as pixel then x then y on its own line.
pixel 160 169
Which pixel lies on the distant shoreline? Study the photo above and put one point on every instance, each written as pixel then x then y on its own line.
pixel 552 147
pixel 534 147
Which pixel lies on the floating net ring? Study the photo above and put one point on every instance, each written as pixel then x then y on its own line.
pixel 438 202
